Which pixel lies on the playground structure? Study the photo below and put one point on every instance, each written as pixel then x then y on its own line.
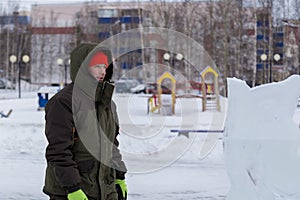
pixel 210 89
pixel 156 102
pixel 209 92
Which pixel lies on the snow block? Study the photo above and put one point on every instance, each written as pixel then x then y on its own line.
pixel 261 141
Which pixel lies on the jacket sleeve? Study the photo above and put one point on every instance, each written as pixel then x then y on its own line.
pixel 59 133
pixel 118 163
pixel 117 159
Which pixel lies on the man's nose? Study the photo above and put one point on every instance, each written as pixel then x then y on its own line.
pixel 102 71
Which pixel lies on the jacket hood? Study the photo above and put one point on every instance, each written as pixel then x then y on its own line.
pixel 84 52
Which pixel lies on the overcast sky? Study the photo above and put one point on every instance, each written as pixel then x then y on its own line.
pixel 25 4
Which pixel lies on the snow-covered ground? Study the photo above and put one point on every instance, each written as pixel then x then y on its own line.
pixel 162 165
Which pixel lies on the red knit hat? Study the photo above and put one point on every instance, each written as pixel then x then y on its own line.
pixel 98 58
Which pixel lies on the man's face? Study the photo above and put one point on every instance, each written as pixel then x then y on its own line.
pixel 98 71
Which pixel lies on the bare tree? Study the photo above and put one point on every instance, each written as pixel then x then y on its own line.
pixel 264 15
pixel 163 14
pixel 229 37
pixel 45 45
pixel 181 16
pixel 242 44
pixel 86 23
pixel 15 40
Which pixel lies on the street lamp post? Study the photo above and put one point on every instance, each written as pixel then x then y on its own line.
pixel 61 62
pixel 167 57
pixel 276 57
pixel 13 59
pixel 264 58
pixel 25 59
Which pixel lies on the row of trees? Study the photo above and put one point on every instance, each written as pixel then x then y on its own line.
pixel 227 30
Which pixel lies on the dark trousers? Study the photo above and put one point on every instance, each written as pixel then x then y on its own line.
pixel 57 197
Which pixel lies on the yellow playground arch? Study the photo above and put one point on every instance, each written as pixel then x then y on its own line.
pixel 166 75
pixel 210 90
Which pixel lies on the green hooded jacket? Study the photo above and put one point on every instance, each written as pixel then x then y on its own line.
pixel 81 129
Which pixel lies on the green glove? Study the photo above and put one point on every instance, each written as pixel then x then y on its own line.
pixel 77 195
pixel 121 188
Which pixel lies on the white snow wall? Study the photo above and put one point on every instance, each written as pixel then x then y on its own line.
pixel 262 142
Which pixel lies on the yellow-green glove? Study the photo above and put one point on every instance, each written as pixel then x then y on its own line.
pixel 121 188
pixel 77 195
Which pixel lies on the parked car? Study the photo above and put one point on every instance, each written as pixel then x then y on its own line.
pixel 139 89
pixel 4 83
pixel 150 88
pixel 124 85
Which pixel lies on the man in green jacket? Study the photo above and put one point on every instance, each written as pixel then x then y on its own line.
pixel 83 160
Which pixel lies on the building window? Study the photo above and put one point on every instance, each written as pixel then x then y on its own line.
pixel 108 13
